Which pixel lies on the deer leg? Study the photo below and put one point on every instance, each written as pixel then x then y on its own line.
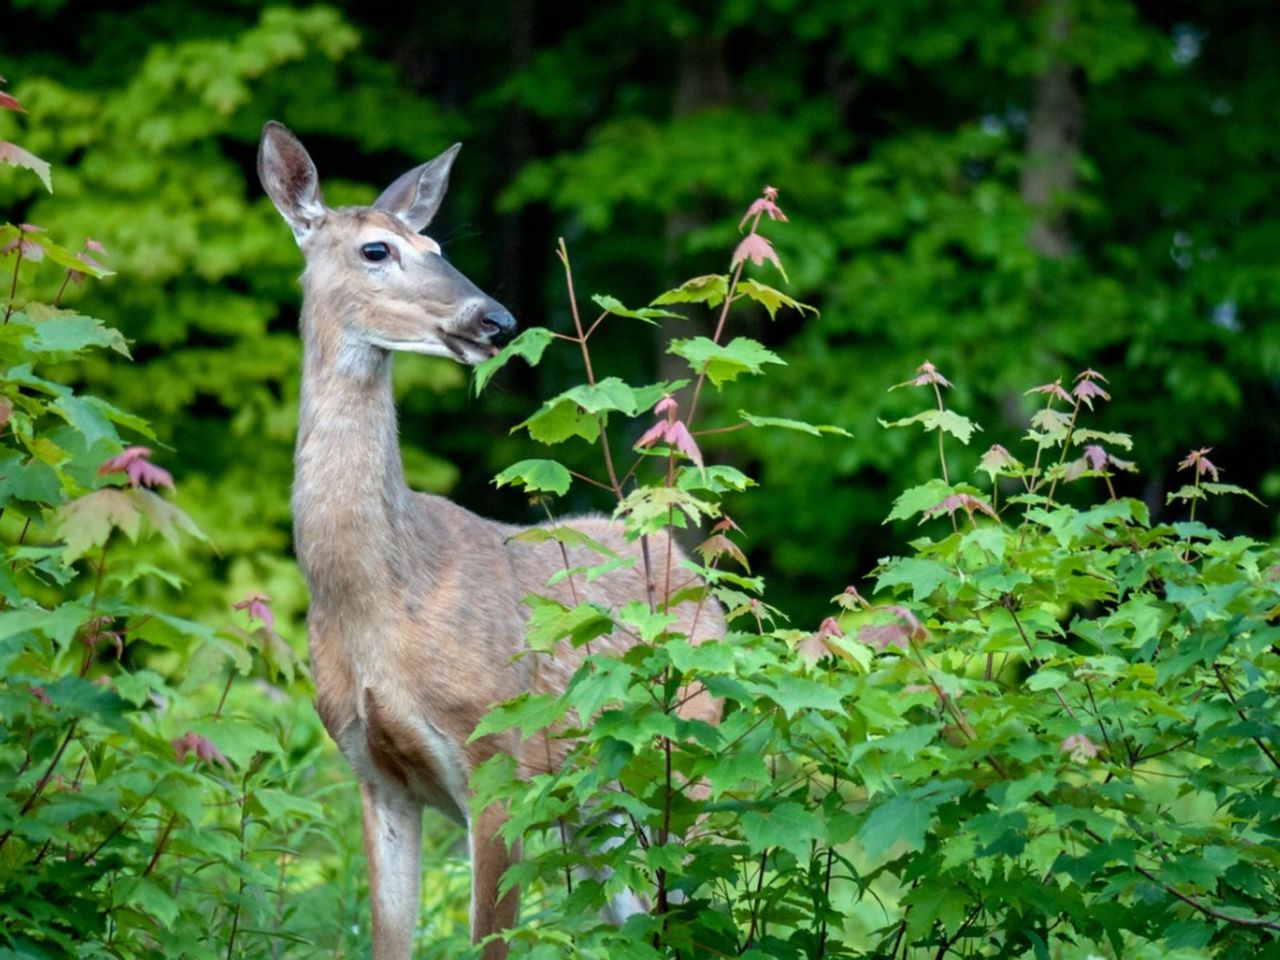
pixel 393 848
pixel 489 861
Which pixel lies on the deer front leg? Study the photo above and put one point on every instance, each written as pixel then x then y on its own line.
pixel 393 848
pixel 489 861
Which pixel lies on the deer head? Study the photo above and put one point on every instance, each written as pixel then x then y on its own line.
pixel 372 280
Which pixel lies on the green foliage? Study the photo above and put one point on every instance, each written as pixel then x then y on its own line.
pixel 149 805
pixel 1051 734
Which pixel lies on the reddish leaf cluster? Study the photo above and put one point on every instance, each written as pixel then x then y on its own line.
pixel 671 431
pixel 96 631
pixel 134 463
pixel 926 374
pixel 258 607
pixel 1053 389
pixel 1081 748
pixel 757 249
pixel 27 249
pixel 202 747
pixel 766 204
pixel 904 630
pixel 1196 460
pixel 965 501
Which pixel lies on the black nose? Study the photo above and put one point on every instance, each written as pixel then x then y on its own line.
pixel 498 325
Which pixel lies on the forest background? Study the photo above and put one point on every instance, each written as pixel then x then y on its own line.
pixel 1011 189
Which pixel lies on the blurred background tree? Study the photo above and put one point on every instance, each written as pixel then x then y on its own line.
pixel 1013 190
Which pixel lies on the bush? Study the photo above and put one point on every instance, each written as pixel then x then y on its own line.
pixel 1051 732
pixel 164 784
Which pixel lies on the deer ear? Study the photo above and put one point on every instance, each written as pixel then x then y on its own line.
pixel 415 197
pixel 290 179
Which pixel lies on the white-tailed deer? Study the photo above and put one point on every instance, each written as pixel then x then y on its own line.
pixel 416 617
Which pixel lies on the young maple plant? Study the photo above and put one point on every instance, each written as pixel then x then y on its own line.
pixel 1049 733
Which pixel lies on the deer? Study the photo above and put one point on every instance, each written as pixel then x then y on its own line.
pixel 416 621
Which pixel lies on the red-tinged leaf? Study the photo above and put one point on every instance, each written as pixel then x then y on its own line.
pixel 665 405
pixel 1086 391
pixel 655 434
pixel 961 501
pixel 1091 374
pixel 9 102
pixel 718 545
pixel 757 249
pixel 1198 461
pixel 1096 457
pixel 1081 748
pixel 1053 389
pixel 134 462
pixel 763 205
pixel 905 629
pixel 258 606
pixel 679 437
pixel 850 599
pixel 202 747
pixel 996 459
pixel 926 374
pixel 95 246
pixel 13 154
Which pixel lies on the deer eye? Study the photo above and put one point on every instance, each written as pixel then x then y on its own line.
pixel 374 252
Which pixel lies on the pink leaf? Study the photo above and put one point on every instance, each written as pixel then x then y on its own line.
pixel 965 501
pixel 1090 374
pixel 10 102
pixel 94 245
pixel 1087 390
pixel 927 374
pixel 666 404
pixel 1080 747
pixel 1053 389
pixel 905 629
pixel 757 249
pixel 14 154
pixel 655 434
pixel 258 607
pixel 678 436
pixel 1096 457
pixel 1196 459
pixel 202 747
pixel 134 463
pixel 764 205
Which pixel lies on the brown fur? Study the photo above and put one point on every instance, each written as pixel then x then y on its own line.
pixel 416 617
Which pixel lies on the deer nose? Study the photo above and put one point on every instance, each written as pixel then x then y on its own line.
pixel 498 325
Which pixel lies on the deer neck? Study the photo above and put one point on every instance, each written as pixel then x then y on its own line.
pixel 350 501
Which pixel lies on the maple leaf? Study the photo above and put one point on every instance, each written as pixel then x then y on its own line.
pixel 718 545
pixel 905 628
pixel 1091 374
pixel 676 434
pixel 258 607
pixel 996 459
pixel 134 463
pixel 1197 460
pixel 1086 390
pixel 1096 456
pixel 666 405
pixel 766 204
pixel 10 102
pixel 1053 389
pixel 850 599
pixel 965 501
pixel 757 249
pixel 1080 747
pixel 202 747
pixel 927 373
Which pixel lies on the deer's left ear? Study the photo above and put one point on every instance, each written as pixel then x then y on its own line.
pixel 415 197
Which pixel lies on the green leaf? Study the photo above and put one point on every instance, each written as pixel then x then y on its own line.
pixel 13 154
pixel 1220 488
pixel 649 509
pixel 918 499
pixel 536 475
pixel 559 419
pixel 551 622
pixel 710 289
pixel 905 818
pixel 769 298
pixel 648 314
pixel 947 421
pixel 70 333
pixel 795 694
pixel 788 825
pixel 563 533
pixel 724 363
pixel 530 344
pixel 814 429
pixel 87 522
pixel 528 712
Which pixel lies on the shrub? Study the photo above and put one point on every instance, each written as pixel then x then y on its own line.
pixel 161 790
pixel 1050 731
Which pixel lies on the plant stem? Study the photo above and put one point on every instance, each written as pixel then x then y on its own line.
pixel 13 287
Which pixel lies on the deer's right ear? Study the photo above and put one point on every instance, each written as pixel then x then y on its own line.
pixel 290 179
